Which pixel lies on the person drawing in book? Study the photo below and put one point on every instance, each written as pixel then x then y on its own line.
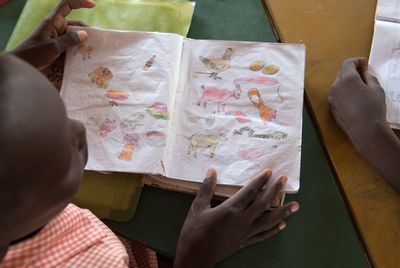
pixel 357 103
pixel 44 154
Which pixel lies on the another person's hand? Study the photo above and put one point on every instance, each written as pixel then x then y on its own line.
pixel 50 39
pixel 211 234
pixel 357 101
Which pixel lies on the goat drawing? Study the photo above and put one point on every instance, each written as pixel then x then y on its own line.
pixel 204 141
pixel 213 94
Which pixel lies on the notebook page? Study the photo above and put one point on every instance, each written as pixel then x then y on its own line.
pixel 120 84
pixel 385 56
pixel 238 109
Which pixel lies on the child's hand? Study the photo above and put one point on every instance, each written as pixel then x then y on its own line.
pixel 50 39
pixel 211 234
pixel 357 101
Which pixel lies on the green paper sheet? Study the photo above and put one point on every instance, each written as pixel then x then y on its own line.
pixel 173 16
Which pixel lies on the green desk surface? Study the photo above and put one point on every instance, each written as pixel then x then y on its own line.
pixel 320 235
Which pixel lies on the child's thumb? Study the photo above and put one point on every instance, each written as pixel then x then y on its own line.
pixel 70 39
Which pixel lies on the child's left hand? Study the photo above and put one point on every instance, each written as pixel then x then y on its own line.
pixel 50 39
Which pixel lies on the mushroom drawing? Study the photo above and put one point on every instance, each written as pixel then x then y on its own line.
pixel 114 95
pixel 130 141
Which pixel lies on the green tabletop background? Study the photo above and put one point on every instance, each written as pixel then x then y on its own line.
pixel 321 234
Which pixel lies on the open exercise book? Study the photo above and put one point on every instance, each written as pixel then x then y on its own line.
pixel 158 103
pixel 385 56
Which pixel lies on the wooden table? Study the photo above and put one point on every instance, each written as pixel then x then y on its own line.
pixel 332 31
pixel 320 235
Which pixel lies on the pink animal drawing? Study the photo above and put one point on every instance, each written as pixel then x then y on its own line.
pixel 213 94
pixel 240 116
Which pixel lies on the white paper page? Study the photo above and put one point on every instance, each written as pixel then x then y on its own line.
pixel 120 84
pixel 388 10
pixel 215 122
pixel 385 56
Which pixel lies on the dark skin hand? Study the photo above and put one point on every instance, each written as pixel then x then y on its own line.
pixel 50 39
pixel 357 103
pixel 211 234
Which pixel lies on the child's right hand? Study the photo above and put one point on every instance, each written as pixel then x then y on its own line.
pixel 211 234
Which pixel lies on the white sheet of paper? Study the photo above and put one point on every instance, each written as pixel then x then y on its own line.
pixel 384 58
pixel 220 113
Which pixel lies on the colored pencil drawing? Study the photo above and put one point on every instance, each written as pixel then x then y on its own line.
pixel 252 154
pixel 205 141
pixel 274 135
pixel 101 76
pixel 219 65
pixel 85 51
pixel 271 69
pixel 257 65
pixel 107 126
pixel 132 121
pixel 114 96
pixel 219 96
pixel 240 116
pixel 267 114
pixel 158 110
pixel 149 63
pixel 130 140
pixel 156 138
pixel 258 79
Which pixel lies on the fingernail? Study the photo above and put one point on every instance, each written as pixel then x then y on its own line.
pixel 283 179
pixel 269 173
pixel 82 35
pixel 295 207
pixel 282 225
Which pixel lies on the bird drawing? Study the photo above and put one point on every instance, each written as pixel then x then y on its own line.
pixel 217 66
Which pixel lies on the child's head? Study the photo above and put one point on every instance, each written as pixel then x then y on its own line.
pixel 42 152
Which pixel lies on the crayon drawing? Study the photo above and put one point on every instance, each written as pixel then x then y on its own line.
pixel 149 63
pixel 114 95
pixel 101 76
pixel 257 65
pixel 158 110
pixel 274 135
pixel 107 126
pixel 205 141
pixel 271 69
pixel 84 51
pixel 240 116
pixel 132 121
pixel 220 96
pixel 156 138
pixel 130 141
pixel 266 113
pixel 252 154
pixel 217 66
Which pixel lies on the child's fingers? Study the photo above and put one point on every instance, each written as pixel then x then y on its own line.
pixel 70 39
pixel 206 192
pixel 248 193
pixel 273 217
pixel 371 80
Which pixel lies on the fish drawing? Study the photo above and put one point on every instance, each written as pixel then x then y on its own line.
pixel 240 116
